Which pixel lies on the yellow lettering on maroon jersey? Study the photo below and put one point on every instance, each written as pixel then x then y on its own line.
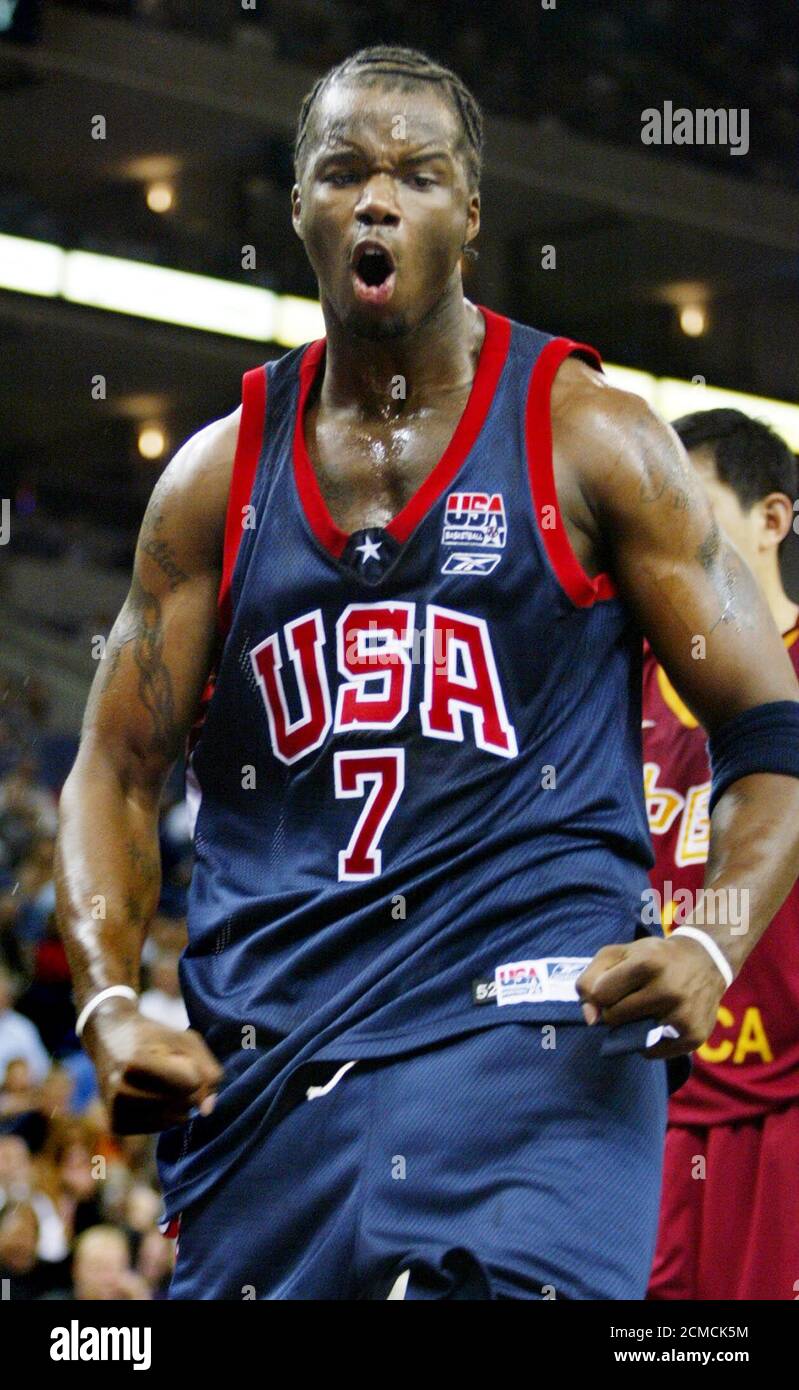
pixel 673 701
pixel 752 1038
pixel 693 841
pixel 663 804
pixel 723 1051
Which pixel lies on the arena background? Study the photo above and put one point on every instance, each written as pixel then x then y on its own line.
pixel 139 138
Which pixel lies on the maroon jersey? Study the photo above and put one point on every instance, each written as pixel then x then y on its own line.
pixel 750 1063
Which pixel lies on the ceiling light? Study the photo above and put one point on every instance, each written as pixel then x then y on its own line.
pixel 152 441
pixel 693 320
pixel 160 197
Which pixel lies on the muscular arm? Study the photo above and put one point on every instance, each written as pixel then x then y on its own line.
pixel 140 708
pixel 710 627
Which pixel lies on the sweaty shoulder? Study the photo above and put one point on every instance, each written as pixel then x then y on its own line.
pixel 190 497
pixel 617 447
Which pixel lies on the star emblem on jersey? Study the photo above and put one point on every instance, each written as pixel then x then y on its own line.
pixel 370 550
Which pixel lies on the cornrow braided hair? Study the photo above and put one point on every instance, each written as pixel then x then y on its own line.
pixel 405 66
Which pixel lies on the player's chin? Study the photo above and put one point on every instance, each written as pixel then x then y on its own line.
pixel 375 324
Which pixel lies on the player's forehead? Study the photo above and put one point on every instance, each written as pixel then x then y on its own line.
pixel 381 118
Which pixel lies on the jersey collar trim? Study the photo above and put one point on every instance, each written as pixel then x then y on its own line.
pixel 493 355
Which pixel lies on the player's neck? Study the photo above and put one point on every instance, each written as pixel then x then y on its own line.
pixel 391 377
pixel 783 609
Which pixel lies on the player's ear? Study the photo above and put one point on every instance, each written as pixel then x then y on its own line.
pixel 472 217
pixel 296 210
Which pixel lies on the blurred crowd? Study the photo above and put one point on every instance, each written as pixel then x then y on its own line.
pixel 79 1207
pixel 594 64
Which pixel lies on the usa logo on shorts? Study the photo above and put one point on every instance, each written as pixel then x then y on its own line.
pixel 519 982
pixel 553 979
pixel 475 518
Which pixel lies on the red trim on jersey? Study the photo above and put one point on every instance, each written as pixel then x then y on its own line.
pixel 493 354
pixel 245 462
pixel 248 451
pixel 319 519
pixel 581 589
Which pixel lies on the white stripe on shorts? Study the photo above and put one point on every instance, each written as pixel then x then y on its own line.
pixel 399 1286
pixel 313 1092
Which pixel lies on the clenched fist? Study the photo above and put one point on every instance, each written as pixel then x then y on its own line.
pixel 672 981
pixel 150 1076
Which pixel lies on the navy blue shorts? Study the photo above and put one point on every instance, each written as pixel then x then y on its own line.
pixel 489 1166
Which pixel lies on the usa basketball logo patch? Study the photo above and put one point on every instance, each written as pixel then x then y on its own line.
pixel 540 981
pixel 475 519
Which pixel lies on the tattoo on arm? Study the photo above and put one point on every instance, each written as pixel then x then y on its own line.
pixel 128 957
pixel 155 681
pixel 708 551
pixel 664 479
pixel 162 554
pixel 145 865
pixel 146 875
pixel 160 551
pixel 729 579
pixel 662 476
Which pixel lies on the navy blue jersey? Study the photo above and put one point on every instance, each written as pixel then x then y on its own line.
pixel 417 767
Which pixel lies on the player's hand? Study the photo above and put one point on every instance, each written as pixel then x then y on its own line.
pixel 150 1076
pixel 673 981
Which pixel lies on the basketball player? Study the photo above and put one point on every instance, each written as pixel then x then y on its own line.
pixel 729 1226
pixel 397 599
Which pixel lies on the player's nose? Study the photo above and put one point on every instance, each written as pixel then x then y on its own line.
pixel 377 205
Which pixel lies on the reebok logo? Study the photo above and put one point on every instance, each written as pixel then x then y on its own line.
pixel 470 564
pixel 76 1343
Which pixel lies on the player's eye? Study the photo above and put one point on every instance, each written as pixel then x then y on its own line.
pixel 422 181
pixel 339 179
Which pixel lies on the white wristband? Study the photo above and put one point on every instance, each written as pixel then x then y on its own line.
pixel 124 991
pixel 712 948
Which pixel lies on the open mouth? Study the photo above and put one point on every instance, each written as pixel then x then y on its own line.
pixel 374 274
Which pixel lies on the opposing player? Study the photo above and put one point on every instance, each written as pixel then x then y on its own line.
pixel 398 599
pixel 729 1225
